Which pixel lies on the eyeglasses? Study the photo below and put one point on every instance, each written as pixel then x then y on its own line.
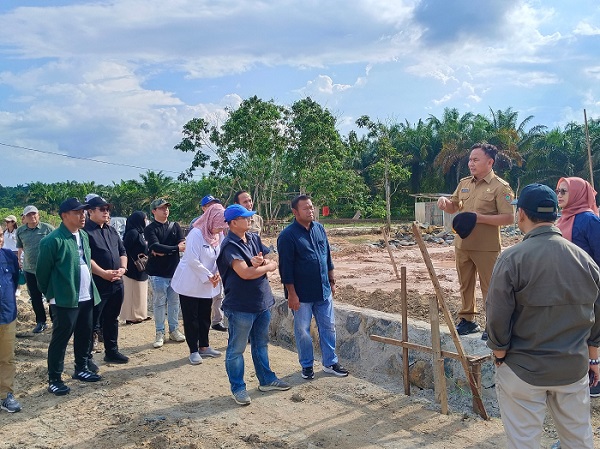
pixel 561 191
pixel 103 209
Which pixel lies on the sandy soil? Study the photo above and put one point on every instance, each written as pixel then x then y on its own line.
pixel 159 400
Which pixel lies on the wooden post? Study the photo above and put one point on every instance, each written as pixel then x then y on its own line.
pixel 386 237
pixel 589 148
pixel 404 299
pixel 439 375
pixel 449 321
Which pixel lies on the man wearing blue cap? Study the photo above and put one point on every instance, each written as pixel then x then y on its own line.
pixel 247 304
pixel 64 275
pixel 543 323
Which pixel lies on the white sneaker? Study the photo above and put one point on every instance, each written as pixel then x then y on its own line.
pixel 159 340
pixel 176 336
pixel 195 358
pixel 209 352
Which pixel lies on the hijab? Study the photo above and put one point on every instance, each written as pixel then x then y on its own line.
pixel 582 198
pixel 210 220
pixel 136 220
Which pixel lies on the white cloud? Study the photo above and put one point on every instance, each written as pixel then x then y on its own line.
pixel 586 29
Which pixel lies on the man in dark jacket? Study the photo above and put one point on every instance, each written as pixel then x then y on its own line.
pixel 64 275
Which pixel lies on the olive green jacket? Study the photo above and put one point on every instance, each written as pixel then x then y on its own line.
pixel 58 270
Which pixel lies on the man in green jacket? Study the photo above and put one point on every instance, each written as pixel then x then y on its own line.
pixel 64 275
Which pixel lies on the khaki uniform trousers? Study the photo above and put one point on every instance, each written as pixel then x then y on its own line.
pixel 8 368
pixel 523 409
pixel 469 263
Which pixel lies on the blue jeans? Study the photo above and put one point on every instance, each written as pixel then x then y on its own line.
pixel 241 326
pixel 324 317
pixel 164 297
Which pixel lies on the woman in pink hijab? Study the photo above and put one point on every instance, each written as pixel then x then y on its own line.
pixel 579 222
pixel 197 280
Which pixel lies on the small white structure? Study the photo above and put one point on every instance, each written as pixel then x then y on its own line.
pixel 426 210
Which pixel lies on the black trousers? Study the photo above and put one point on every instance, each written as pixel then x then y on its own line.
pixel 196 320
pixel 37 301
pixel 106 317
pixel 76 322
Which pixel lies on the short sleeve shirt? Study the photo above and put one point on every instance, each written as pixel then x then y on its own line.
pixel 488 196
pixel 29 240
pixel 241 295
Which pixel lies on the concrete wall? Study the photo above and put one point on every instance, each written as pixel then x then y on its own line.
pixel 379 361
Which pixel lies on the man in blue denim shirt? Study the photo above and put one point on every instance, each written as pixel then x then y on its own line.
pixel 247 304
pixel 307 273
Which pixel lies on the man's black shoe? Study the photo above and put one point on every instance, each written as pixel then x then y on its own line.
pixel 92 366
pixel 58 388
pixel 39 328
pixel 467 327
pixel 336 369
pixel 308 373
pixel 85 375
pixel 116 357
pixel 219 327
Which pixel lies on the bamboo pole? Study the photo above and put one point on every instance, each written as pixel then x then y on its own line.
pixel 589 148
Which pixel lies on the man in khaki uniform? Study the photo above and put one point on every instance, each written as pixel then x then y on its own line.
pixel 490 198
pixel 243 198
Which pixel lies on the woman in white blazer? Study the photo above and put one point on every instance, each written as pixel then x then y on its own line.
pixel 197 281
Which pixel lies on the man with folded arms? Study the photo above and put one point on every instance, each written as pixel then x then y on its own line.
pixel 64 275
pixel 109 265
pixel 247 304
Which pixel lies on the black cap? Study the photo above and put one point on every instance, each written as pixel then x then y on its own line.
pixel 464 223
pixel 539 201
pixel 98 201
pixel 71 204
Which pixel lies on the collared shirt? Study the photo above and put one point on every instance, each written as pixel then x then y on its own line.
pixel 28 239
pixel 256 224
pixel 543 308
pixel 243 295
pixel 9 279
pixel 490 195
pixel 305 260
pixel 107 249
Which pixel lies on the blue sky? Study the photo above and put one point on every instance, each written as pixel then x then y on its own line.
pixel 115 81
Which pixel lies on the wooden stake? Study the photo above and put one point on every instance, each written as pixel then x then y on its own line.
pixel 404 298
pixel 450 322
pixel 385 230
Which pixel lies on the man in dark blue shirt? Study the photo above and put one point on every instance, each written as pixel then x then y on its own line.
pixel 307 273
pixel 247 304
pixel 109 264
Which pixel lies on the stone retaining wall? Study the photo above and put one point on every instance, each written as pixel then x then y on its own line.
pixel 377 361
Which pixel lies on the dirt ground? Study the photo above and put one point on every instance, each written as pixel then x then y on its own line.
pixel 159 400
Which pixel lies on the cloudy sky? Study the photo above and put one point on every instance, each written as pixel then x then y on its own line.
pixel 116 80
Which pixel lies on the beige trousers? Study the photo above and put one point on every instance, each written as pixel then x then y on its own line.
pixel 469 264
pixel 7 358
pixel 523 408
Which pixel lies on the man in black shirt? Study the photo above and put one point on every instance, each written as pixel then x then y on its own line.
pixel 109 264
pixel 165 241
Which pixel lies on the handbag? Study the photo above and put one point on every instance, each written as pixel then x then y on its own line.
pixel 141 262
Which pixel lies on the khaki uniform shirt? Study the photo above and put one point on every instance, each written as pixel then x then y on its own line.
pixel 488 196
pixel 256 224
